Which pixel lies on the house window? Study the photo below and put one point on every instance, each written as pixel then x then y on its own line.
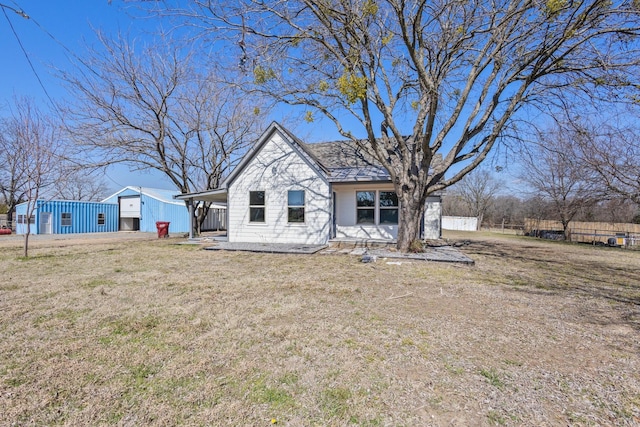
pixel 256 206
pixel 388 205
pixel 21 219
pixel 32 219
pixel 296 205
pixel 65 219
pixel 101 219
pixel 366 207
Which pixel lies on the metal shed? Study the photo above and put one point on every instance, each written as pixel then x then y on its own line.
pixel 67 217
pixel 139 208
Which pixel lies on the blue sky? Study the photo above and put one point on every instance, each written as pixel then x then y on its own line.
pixel 55 31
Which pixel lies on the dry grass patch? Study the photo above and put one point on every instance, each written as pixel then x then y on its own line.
pixel 151 333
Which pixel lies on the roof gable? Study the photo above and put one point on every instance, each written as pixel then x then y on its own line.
pixel 300 147
pixel 165 196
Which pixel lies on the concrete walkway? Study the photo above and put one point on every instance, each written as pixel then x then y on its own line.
pixel 443 253
pixel 439 254
pixel 274 248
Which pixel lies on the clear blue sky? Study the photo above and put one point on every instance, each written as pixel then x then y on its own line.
pixel 55 31
pixel 59 29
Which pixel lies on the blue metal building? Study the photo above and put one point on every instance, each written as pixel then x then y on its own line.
pixel 66 217
pixel 139 208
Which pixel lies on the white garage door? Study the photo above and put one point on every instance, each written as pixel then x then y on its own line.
pixel 130 207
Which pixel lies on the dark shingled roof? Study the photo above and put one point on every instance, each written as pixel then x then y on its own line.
pixel 346 162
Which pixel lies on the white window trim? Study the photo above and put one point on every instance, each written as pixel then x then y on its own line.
pixel 376 209
pixel 303 206
pixel 263 206
pixel 382 208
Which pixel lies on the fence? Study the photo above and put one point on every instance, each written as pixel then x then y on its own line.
pixel 461 223
pixel 605 233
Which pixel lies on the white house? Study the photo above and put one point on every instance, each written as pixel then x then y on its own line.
pixel 286 191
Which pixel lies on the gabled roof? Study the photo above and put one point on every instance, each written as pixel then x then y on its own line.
pixel 295 142
pixel 160 194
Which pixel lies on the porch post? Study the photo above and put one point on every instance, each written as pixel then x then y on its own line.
pixel 190 218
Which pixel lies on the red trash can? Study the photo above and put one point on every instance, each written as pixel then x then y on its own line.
pixel 163 229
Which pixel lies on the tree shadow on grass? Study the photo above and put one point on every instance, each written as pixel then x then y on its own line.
pixel 562 269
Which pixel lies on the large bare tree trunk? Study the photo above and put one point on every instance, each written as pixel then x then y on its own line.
pixel 411 213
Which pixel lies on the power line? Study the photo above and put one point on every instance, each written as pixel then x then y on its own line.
pixel 24 51
pixel 18 11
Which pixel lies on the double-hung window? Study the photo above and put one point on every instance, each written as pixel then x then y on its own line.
pixel 256 206
pixel 295 202
pixel 65 219
pixel 388 207
pixel 101 219
pixel 366 207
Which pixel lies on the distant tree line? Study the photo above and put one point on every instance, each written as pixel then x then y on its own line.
pixel 559 179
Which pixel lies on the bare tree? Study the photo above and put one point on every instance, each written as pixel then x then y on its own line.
pixel 12 176
pixel 425 78
pixel 79 184
pixel 554 171
pixel 477 190
pixel 613 153
pixel 150 108
pixel 38 149
pixel 507 210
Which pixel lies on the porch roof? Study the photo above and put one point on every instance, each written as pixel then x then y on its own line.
pixel 217 195
pixel 359 174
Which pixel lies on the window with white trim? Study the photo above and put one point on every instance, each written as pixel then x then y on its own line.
pixel 256 206
pixel 365 207
pixel 388 207
pixel 377 207
pixel 65 219
pixel 295 202
pixel 101 219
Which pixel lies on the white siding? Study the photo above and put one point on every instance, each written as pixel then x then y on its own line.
pixel 346 227
pixel 277 168
pixel 432 218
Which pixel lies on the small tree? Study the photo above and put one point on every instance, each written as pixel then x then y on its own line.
pixel 12 176
pixel 554 172
pixel 478 190
pixel 37 145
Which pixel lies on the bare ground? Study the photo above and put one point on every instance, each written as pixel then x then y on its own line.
pixel 111 332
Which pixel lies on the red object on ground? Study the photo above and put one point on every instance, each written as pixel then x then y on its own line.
pixel 163 229
pixel 5 230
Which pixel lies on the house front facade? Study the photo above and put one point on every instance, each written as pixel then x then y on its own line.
pixel 286 191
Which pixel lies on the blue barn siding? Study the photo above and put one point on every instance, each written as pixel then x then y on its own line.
pixel 84 216
pixel 157 205
pixel 156 210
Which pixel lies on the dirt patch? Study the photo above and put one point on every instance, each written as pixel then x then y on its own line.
pixel 151 333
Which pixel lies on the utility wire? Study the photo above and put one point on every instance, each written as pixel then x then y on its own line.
pixel 24 51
